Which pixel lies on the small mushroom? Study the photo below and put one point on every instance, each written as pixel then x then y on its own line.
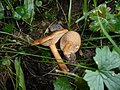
pixel 70 44
pixel 50 41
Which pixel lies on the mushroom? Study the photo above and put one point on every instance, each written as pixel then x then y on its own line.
pixel 50 41
pixel 70 44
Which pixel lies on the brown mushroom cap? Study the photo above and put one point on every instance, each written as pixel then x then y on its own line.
pixel 70 42
pixel 50 39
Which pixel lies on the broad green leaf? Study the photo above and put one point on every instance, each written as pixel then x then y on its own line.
pixel 62 83
pixel 97 79
pixel 106 60
pixel 94 80
pixel 20 83
pixel 111 80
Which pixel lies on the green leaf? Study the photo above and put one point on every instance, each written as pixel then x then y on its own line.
pixel 5 61
pixel 29 10
pixel 109 21
pixel 62 83
pixel 25 12
pixel 8 28
pixel 18 14
pixel 111 80
pixel 106 60
pixel 94 79
pixel 20 83
pixel 38 3
pixel 94 26
pixel 97 79
pixel 116 26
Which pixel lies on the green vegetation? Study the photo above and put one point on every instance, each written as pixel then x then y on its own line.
pixel 25 67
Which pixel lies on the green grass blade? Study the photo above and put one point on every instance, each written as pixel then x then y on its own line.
pixel 108 36
pixel 85 14
pixel 20 82
pixel 69 15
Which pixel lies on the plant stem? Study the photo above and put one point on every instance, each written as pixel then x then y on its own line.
pixel 85 12
pixel 108 36
pixel 15 36
pixel 69 14
pixel 22 39
pixel 23 53
pixel 97 38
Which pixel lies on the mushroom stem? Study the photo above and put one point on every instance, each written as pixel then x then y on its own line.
pixel 58 58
